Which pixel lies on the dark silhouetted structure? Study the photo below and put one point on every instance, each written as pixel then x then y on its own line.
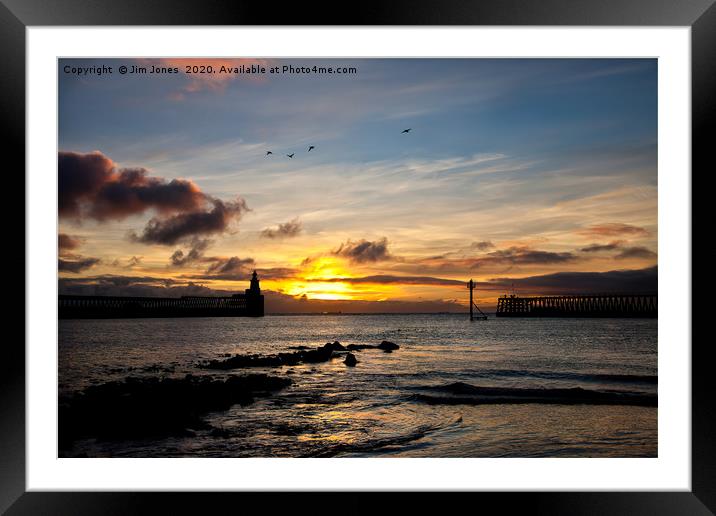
pixel 602 305
pixel 250 304
pixel 480 316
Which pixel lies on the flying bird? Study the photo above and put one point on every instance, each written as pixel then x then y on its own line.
pixel 311 147
pixel 406 130
pixel 268 152
pixel 290 155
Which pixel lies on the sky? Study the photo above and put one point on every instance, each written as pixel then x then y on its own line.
pixel 530 176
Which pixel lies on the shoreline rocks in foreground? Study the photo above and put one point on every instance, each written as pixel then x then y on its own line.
pixel 155 407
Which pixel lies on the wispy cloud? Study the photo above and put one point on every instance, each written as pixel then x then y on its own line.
pixel 78 264
pixel 635 252
pixel 614 229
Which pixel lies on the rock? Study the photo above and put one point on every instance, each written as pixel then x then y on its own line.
pixel 323 353
pixel 387 345
pixel 310 356
pixel 358 347
pixel 155 407
pixel 350 360
pixel 316 355
pixel 335 346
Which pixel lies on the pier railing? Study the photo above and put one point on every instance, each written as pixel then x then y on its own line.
pixel 602 305
pixel 109 307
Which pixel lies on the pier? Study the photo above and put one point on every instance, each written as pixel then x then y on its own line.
pixel 600 305
pixel 249 304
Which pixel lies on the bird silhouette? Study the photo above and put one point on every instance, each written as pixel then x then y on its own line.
pixel 268 152
pixel 406 130
pixel 311 147
pixel 290 155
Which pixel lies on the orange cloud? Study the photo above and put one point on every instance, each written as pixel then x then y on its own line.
pixel 202 80
pixel 613 229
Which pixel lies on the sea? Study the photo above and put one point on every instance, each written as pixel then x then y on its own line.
pixel 503 387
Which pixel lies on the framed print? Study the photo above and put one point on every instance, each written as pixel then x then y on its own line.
pixel 447 250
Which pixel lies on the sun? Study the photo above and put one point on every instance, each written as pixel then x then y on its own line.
pixel 320 290
pixel 325 267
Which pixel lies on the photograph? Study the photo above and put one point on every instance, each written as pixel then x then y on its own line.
pixel 357 257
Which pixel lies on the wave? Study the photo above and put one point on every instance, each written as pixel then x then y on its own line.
pixel 543 375
pixel 558 375
pixel 459 393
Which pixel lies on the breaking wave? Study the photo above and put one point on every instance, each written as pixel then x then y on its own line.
pixel 459 393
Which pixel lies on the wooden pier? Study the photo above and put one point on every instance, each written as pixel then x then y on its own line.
pixel 601 305
pixel 249 304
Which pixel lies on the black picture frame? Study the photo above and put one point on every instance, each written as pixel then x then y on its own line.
pixel 700 15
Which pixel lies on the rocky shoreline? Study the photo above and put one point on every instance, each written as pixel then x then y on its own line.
pixel 305 355
pixel 156 407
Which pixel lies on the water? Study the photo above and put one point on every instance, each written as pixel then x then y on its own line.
pixel 375 409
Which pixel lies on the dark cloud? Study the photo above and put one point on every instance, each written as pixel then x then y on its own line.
pixel 71 262
pixel 400 280
pixel 288 229
pixel 622 281
pixel 482 246
pixel 169 231
pixel 635 252
pixel 76 264
pixel 458 264
pixel 115 280
pixel 92 186
pixel 233 265
pixel 67 243
pixel 364 251
pixel 595 248
pixel 624 252
pixel 195 254
pixel 522 256
pixel 80 177
pixel 113 285
pixel 238 269
pixel 614 229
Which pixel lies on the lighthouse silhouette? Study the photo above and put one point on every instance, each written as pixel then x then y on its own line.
pixel 254 298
